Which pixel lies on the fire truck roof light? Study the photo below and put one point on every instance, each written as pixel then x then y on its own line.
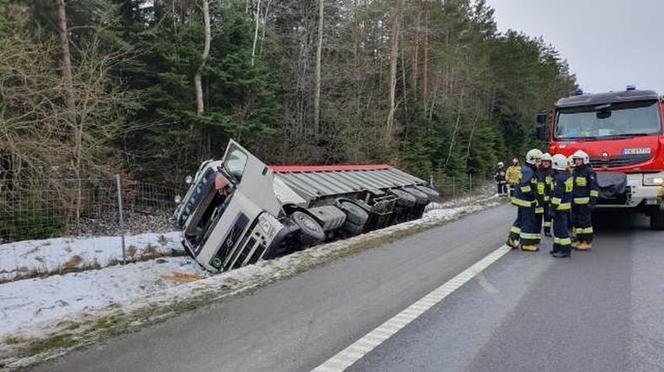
pixel 578 92
pixel 631 87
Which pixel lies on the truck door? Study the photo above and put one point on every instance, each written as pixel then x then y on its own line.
pixel 255 178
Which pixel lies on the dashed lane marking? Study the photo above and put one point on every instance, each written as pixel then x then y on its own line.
pixel 346 357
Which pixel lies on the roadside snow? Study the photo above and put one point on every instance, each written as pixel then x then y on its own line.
pixel 48 301
pixel 32 258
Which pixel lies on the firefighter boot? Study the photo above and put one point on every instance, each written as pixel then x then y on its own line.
pixel 582 246
pixel 514 244
pixel 530 248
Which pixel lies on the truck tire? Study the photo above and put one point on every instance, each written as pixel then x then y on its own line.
pixel 311 232
pixel 354 214
pixel 657 219
pixel 352 229
pixel 431 193
pixel 405 199
pixel 420 197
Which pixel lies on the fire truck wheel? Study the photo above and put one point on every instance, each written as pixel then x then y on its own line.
pixel 657 220
pixel 311 232
pixel 354 214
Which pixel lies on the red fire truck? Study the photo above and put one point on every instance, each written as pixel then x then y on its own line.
pixel 623 134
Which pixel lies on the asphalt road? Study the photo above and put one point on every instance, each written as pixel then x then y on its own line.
pixel 598 311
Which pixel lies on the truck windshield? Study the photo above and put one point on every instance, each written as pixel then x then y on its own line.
pixel 614 120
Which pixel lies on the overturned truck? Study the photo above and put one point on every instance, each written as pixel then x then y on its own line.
pixel 239 210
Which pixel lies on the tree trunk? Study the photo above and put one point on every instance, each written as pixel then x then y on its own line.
pixel 319 52
pixel 66 55
pixel 200 106
pixel 394 54
pixel 425 67
pixel 456 129
pixel 265 16
pixel 67 77
pixel 416 49
pixel 257 15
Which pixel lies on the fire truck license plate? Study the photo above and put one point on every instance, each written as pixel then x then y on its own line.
pixel 637 151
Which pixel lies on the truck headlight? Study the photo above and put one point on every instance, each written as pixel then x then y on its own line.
pixel 654 179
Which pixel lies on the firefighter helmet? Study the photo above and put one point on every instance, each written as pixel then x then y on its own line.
pixel 547 157
pixel 580 154
pixel 533 156
pixel 559 162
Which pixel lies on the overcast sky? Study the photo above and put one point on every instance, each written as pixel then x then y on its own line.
pixel 608 43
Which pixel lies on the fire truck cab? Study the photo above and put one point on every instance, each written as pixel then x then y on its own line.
pixel 623 133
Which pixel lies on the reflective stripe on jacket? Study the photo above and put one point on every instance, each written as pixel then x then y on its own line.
pixel 563 191
pixel 513 175
pixel 526 191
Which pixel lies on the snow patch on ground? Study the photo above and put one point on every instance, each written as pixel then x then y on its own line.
pixel 37 308
pixel 48 301
pixel 30 258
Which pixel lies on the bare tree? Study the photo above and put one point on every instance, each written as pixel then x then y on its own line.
pixel 394 54
pixel 66 55
pixel 425 57
pixel 257 16
pixel 200 105
pixel 319 52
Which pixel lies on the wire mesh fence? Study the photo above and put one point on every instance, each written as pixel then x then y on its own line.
pixel 46 208
pixel 451 187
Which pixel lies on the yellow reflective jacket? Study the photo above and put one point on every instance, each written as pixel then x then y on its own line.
pixel 513 174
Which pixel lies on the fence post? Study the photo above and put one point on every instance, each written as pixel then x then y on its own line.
pixel 470 183
pixel 453 186
pixel 118 184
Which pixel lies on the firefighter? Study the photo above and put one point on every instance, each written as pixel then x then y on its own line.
pixel 561 204
pixel 501 180
pixel 570 170
pixel 513 175
pixel 544 190
pixel 523 232
pixel 585 197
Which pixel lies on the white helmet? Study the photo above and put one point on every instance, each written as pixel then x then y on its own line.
pixel 580 154
pixel 547 157
pixel 500 164
pixel 559 162
pixel 533 156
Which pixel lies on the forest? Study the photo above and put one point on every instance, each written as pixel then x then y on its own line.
pixel 149 88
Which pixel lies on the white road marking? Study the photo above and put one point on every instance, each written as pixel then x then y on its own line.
pixel 346 357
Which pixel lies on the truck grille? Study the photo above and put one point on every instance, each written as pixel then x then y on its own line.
pixel 619 161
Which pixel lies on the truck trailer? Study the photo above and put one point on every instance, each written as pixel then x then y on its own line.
pixel 623 133
pixel 239 210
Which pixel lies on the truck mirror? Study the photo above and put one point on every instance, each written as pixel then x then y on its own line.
pixel 541 118
pixel 541 132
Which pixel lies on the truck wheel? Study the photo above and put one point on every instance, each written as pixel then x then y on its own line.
pixel 657 220
pixel 404 199
pixel 354 214
pixel 352 229
pixel 431 193
pixel 310 231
